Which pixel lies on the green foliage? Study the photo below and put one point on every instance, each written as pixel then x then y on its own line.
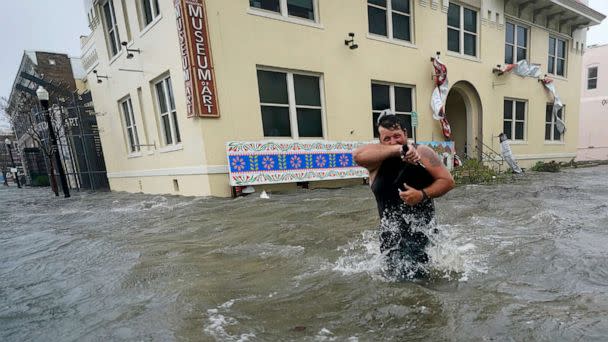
pixel 473 171
pixel 41 180
pixel 551 166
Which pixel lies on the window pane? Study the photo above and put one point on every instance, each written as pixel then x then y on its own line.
pixel 301 8
pixel 374 124
pixel 547 131
pixel 592 72
pixel 522 36
pixel 556 134
pixel 272 86
pixel 156 8
pixel 170 93
pixel 403 99
pixel 520 110
pixel 510 34
pixel 549 113
pixel 519 131
pixel 560 70
pixel 592 83
pixel 453 40
pixel 401 5
pixel 559 113
pixel 551 46
pixel 147 12
pixel 307 90
pixel 377 20
pixel 113 43
pixel 167 129
pixel 508 54
pixel 125 110
pixel 269 5
pixel 561 48
pixel 508 110
pixel 176 127
pixel 470 47
pixel 131 140
pixel 551 65
pixel 406 121
pixel 309 123
pixel 380 97
pixel 162 101
pixel 470 20
pixel 506 128
pixel 454 15
pixel 377 2
pixel 401 27
pixel 275 121
pixel 521 54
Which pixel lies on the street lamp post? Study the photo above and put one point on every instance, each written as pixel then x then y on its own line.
pixel 8 144
pixel 43 96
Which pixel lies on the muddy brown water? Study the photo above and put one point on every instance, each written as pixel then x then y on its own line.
pixel 515 262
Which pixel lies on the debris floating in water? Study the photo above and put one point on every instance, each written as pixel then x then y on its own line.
pixel 264 195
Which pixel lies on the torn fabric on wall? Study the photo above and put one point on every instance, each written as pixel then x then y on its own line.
pixel 557 104
pixel 521 68
pixel 440 94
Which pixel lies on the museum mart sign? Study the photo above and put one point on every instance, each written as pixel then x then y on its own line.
pixel 197 64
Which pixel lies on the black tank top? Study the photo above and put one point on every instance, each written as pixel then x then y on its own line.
pixel 390 177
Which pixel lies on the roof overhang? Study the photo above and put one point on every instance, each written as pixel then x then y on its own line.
pixel 567 12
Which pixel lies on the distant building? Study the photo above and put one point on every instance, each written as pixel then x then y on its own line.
pixel 75 123
pixel 593 140
pixel 176 80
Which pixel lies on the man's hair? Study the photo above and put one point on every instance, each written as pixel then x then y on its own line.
pixel 391 122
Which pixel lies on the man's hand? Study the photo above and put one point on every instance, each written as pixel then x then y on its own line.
pixel 412 156
pixel 410 196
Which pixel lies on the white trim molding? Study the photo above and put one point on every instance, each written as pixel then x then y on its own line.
pixel 545 156
pixel 179 171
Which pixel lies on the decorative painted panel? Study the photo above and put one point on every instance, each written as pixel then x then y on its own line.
pixel 272 162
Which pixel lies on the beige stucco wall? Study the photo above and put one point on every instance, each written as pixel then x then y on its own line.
pixel 241 40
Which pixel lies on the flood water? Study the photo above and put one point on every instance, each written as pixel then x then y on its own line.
pixel 514 262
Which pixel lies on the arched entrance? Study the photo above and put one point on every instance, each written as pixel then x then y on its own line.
pixel 464 112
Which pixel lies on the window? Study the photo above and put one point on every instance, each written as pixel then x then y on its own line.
pixel 149 11
pixel 397 98
pixel 551 132
pixel 304 9
pixel 291 104
pixel 168 114
pixel 130 126
pixel 462 30
pixel 514 122
pixel 557 57
pixel 391 19
pixel 592 78
pixel 112 38
pixel 516 43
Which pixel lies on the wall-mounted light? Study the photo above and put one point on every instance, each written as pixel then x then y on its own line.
pixel 351 42
pixel 129 51
pixel 99 77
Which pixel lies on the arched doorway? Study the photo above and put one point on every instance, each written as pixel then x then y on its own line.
pixel 464 112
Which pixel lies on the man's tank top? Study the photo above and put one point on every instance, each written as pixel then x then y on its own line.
pixel 390 177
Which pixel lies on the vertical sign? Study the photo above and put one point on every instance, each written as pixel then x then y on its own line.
pixel 197 64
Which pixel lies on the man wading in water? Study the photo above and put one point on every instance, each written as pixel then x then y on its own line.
pixel 404 185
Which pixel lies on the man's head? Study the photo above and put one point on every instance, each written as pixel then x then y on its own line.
pixel 502 137
pixel 391 131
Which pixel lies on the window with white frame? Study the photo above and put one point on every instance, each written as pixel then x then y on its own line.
pixel 130 127
pixel 149 11
pixel 397 98
pixel 514 120
pixel 557 57
pixel 592 78
pixel 167 112
pixel 112 37
pixel 551 131
pixel 390 18
pixel 291 104
pixel 516 43
pixel 304 9
pixel 462 30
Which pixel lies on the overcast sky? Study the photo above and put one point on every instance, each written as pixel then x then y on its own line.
pixel 56 25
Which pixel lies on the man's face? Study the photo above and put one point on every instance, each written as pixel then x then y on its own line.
pixel 395 136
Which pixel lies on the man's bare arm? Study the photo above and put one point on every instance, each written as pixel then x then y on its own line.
pixel 371 156
pixel 444 181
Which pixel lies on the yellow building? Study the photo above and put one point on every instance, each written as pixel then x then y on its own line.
pixel 283 69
